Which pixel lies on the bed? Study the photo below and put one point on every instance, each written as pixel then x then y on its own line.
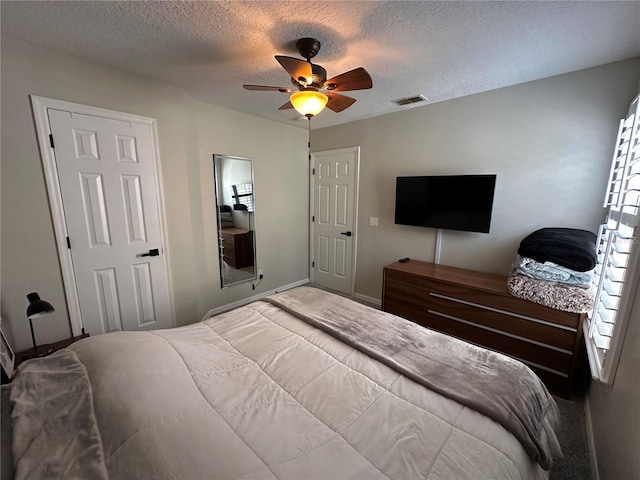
pixel 301 384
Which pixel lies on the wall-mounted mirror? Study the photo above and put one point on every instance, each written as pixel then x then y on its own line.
pixel 235 206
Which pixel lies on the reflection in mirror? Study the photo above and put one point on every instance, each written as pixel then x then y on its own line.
pixel 236 209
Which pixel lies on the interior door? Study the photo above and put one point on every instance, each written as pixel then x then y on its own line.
pixel 107 176
pixel 334 218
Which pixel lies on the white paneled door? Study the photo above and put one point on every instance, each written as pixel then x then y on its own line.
pixel 108 184
pixel 334 218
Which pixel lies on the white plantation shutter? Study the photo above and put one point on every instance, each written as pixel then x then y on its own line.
pixel 618 268
pixel 243 195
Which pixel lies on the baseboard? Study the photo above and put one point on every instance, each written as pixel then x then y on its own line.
pixel 374 302
pixel 253 298
pixel 590 440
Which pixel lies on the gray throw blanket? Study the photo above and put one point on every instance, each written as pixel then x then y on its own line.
pixel 67 444
pixel 495 385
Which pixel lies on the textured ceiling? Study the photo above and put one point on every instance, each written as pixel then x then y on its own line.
pixel 441 50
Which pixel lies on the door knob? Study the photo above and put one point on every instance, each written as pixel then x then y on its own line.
pixel 348 234
pixel 154 252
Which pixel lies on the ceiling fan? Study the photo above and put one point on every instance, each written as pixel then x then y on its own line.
pixel 312 91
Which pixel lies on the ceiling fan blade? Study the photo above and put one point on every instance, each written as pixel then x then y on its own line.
pixel 298 69
pixel 338 102
pixel 356 79
pixel 286 106
pixel 265 88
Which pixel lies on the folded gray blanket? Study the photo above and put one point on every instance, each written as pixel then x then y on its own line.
pixel 495 385
pixel 553 272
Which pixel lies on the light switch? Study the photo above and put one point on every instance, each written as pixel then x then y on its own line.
pixel 373 221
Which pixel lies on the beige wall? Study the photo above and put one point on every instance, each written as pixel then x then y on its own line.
pixel 189 133
pixel 615 410
pixel 549 141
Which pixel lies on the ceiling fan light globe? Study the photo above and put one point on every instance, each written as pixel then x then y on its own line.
pixel 308 102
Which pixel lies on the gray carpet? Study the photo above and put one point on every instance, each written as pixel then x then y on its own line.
pixel 575 464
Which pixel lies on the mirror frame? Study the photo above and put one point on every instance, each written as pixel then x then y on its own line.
pixel 218 202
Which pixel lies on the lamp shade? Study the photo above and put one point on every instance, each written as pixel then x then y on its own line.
pixel 38 307
pixel 308 102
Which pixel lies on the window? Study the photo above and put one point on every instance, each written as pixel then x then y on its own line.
pixel 618 267
pixel 243 196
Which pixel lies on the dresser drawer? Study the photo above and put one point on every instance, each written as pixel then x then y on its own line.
pixel 509 323
pixel 404 295
pixel 501 300
pixel 519 348
pixel 508 303
pixel 400 278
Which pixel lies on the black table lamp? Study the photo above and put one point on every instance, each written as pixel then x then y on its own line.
pixel 37 308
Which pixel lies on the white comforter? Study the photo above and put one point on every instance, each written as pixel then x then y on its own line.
pixel 253 393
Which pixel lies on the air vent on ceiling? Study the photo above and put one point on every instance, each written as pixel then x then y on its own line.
pixel 409 100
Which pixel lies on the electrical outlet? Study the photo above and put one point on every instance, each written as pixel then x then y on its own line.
pixel 373 221
pixel 260 274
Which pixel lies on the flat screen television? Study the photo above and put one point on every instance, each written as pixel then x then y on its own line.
pixel 453 202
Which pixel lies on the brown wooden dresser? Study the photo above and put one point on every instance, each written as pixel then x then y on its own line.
pixel 478 308
pixel 238 247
